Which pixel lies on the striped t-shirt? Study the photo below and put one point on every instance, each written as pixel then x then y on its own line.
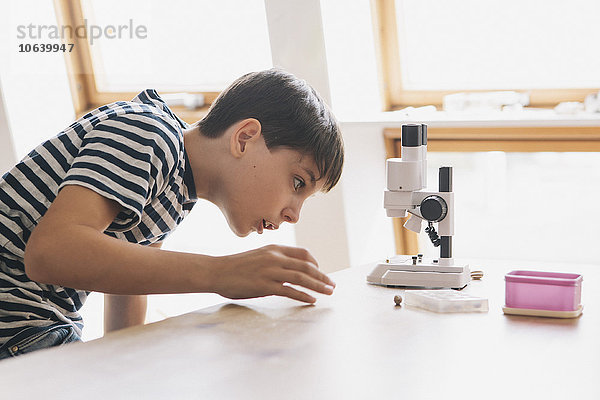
pixel 129 152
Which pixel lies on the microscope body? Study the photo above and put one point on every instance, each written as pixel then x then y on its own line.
pixel 407 194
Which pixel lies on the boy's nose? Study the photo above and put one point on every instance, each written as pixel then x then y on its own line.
pixel 291 214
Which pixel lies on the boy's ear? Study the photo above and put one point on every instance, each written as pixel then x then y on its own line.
pixel 245 132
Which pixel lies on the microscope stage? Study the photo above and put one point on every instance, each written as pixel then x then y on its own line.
pixel 405 263
pixel 400 271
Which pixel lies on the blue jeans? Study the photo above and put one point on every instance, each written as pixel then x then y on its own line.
pixel 37 338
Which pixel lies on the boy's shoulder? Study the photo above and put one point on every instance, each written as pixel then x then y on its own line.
pixel 151 101
pixel 143 123
pixel 147 107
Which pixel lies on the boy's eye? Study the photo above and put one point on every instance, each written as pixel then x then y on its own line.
pixel 298 183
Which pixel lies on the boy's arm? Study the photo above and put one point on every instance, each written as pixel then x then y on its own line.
pixel 123 311
pixel 69 248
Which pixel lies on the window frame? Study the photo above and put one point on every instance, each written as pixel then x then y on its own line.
pixel 81 76
pixel 396 97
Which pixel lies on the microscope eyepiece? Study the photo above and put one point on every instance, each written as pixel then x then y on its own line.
pixel 412 135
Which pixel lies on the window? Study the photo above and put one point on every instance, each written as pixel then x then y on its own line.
pixel 523 147
pixel 522 206
pixel 173 46
pixel 35 84
pixel 430 48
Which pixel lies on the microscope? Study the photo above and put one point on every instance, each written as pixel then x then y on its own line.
pixel 406 194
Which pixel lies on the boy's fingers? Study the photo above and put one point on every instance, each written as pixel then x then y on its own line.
pixel 309 269
pixel 294 294
pixel 298 252
pixel 300 279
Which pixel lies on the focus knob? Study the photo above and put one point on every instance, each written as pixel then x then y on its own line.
pixel 434 208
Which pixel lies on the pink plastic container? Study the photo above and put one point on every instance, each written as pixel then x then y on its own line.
pixel 543 290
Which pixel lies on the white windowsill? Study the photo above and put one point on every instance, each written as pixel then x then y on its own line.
pixel 532 117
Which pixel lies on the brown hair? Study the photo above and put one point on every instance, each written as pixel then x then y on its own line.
pixel 291 114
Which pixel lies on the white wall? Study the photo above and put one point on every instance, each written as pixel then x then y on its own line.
pixel 298 45
pixel 370 232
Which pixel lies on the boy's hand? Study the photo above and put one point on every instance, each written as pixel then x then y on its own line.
pixel 268 271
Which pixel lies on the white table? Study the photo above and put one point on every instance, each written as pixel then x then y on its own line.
pixel 353 345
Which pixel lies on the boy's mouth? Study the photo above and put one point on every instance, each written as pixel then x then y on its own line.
pixel 267 225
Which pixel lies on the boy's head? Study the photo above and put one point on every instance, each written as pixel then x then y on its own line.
pixel 286 145
pixel 291 114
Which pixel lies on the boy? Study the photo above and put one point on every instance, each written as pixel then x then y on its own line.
pixel 86 210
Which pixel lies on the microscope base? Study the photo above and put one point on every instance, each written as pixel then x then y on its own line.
pixel 400 271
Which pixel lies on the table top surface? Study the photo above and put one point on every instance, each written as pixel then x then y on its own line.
pixel 354 344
